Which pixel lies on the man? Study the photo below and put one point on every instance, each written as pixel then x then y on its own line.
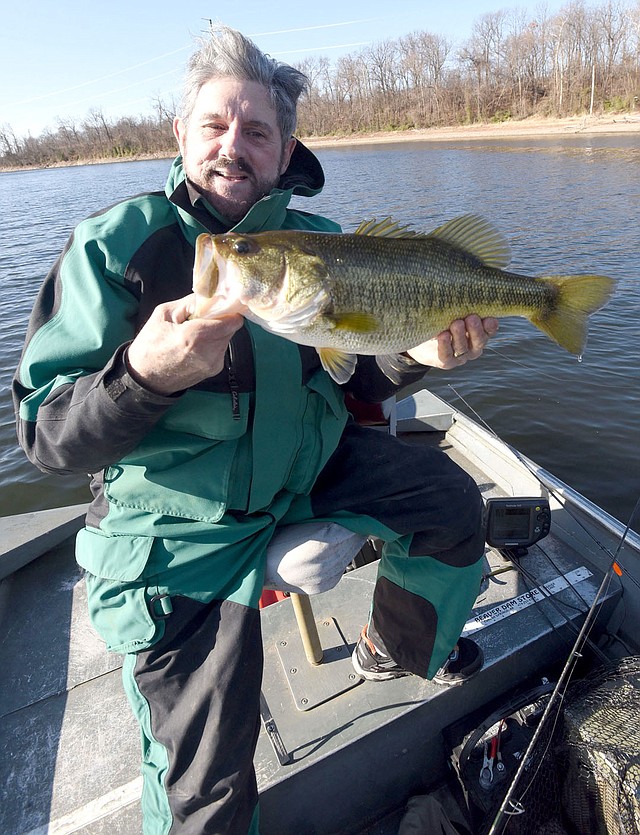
pixel 202 436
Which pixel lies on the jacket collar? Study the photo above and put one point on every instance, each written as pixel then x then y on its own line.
pixel 304 176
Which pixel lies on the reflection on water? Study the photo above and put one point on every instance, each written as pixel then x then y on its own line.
pixel 584 150
pixel 566 204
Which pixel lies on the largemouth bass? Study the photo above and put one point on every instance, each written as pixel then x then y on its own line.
pixel 385 288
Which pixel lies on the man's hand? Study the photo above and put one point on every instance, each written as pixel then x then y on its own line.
pixel 465 340
pixel 173 352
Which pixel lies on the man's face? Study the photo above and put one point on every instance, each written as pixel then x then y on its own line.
pixel 232 148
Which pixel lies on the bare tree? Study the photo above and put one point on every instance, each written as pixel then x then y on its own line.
pixel 422 59
pixel 10 146
pixel 610 33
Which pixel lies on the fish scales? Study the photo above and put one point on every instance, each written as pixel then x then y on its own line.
pixel 437 285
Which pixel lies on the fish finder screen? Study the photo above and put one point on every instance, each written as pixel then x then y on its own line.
pixel 512 523
pixel 517 521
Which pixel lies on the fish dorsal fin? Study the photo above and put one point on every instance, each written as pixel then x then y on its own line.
pixel 386 228
pixel 476 236
pixel 471 233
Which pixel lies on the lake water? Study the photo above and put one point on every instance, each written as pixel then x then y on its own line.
pixel 566 205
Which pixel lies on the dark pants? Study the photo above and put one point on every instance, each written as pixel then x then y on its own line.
pixel 430 511
pixel 196 691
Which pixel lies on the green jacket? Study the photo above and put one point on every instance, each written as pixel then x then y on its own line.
pixel 173 466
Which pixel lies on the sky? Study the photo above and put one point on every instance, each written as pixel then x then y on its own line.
pixel 60 60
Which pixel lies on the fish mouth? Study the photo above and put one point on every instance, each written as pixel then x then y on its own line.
pixel 214 282
pixel 224 286
pixel 227 298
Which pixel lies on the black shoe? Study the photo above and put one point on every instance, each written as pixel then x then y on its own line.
pixel 370 662
pixel 464 661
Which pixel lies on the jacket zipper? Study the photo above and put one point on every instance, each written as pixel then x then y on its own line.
pixel 233 384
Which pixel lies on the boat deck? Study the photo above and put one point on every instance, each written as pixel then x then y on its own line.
pixel 70 747
pixel 69 750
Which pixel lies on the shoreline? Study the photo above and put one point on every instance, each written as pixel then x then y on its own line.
pixel 533 127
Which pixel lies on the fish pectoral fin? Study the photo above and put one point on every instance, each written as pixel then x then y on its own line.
pixel 386 228
pixel 358 321
pixel 577 297
pixel 338 364
pixel 477 237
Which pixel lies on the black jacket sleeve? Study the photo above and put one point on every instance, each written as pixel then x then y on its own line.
pixel 378 378
pixel 90 423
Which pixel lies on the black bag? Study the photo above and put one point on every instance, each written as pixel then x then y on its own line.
pixel 506 734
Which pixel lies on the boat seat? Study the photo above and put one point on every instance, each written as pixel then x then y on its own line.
pixel 307 559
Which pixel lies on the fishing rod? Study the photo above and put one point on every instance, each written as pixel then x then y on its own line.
pixel 510 805
pixel 549 598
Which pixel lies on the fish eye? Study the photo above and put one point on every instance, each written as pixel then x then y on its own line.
pixel 241 247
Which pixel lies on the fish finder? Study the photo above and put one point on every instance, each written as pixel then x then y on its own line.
pixel 516 522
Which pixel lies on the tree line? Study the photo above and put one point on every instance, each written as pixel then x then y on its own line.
pixel 94 138
pixel 582 60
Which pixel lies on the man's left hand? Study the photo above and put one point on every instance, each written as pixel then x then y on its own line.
pixel 464 340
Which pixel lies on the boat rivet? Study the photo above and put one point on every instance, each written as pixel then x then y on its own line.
pixel 304 701
pixel 352 676
pixel 283 643
pixel 293 670
pixel 326 623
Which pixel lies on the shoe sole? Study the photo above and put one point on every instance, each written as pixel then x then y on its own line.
pixel 452 682
pixel 367 675
pixel 452 679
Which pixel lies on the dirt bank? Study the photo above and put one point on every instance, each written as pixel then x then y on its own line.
pixel 534 127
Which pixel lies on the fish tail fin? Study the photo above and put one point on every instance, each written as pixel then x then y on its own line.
pixel 576 298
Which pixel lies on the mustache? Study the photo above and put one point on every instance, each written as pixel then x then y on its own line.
pixel 223 164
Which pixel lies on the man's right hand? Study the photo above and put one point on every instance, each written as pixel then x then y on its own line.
pixel 172 352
